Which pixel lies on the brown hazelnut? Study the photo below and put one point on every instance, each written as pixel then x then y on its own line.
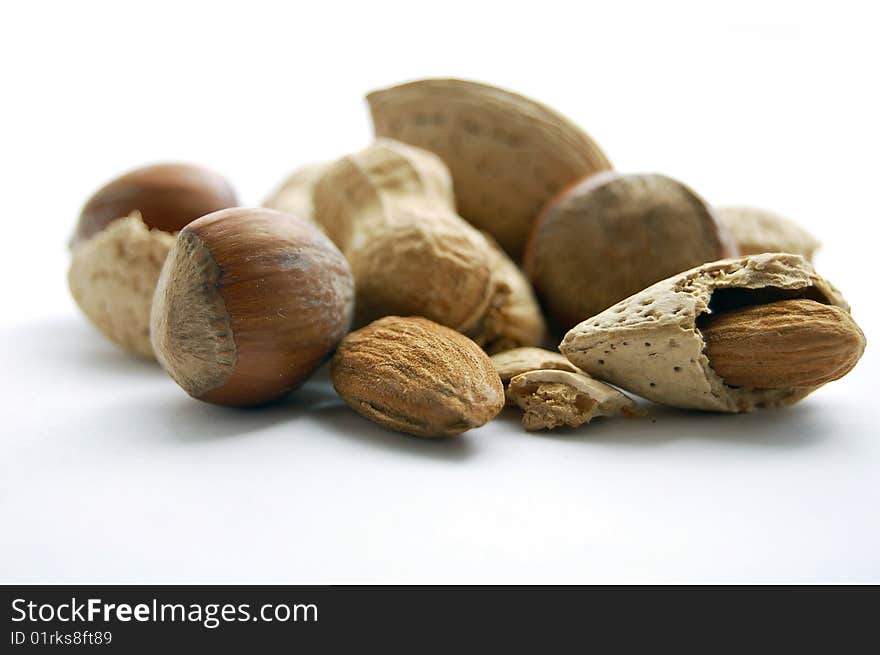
pixel 612 235
pixel 124 233
pixel 249 303
pixel 167 196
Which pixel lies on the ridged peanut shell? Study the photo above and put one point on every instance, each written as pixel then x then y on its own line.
pixel 417 376
pixel 390 209
pixel 294 196
pixel 112 278
pixel 513 317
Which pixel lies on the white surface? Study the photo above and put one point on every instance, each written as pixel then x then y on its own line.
pixel 108 472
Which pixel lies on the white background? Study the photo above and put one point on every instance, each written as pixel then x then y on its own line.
pixel 109 472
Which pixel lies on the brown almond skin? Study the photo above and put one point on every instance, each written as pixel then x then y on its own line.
pixel 250 302
pixel 417 376
pixel 784 344
pixel 168 196
pixel 613 235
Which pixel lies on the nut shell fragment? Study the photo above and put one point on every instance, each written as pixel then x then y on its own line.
pixel 650 343
pixel 416 376
pixel 553 398
pixel 508 154
pixel 516 361
pixel 511 363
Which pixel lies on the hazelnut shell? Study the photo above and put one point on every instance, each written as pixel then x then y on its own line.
pixel 250 302
pixel 167 196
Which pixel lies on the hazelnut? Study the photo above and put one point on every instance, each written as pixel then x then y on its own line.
pixel 613 235
pixel 167 196
pixel 124 233
pixel 249 303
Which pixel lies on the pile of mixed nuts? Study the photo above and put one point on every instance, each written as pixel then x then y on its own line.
pixel 417 240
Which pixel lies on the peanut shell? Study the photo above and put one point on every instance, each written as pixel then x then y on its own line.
pixel 113 275
pixel 390 209
pixel 514 317
pixel 294 195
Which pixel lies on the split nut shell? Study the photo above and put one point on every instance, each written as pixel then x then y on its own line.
pixel 651 343
pixel 553 398
pixel 517 361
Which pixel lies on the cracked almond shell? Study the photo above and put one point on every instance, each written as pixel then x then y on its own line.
pixel 417 376
pixel 553 398
pixel 508 154
pixel 651 344
pixel 249 303
pixel 516 361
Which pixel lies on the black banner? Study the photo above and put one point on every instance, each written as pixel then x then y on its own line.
pixel 135 619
